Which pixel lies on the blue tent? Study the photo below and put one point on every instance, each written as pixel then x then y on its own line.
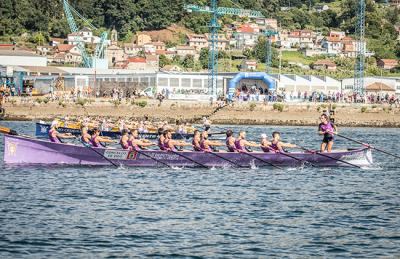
pixel 251 75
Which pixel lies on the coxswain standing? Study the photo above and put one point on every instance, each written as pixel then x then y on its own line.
pixel 328 129
pixel 55 136
pixel 241 143
pixel 206 144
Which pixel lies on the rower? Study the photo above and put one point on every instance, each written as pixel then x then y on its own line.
pixel 241 143
pixel 96 139
pixel 328 129
pixel 55 136
pixel 277 145
pixel 206 144
pixel 137 144
pixel 170 144
pixel 265 144
pixel 230 141
pixel 124 140
pixel 85 136
pixel 161 139
pixel 196 140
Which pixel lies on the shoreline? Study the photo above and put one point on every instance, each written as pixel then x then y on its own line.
pixel 303 114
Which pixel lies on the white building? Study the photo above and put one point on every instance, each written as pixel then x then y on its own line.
pixel 393 82
pixel 21 58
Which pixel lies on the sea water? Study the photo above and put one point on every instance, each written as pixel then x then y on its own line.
pixel 74 212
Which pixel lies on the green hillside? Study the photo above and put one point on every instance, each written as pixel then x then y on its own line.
pixel 36 18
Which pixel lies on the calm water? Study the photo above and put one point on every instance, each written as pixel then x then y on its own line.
pixel 69 212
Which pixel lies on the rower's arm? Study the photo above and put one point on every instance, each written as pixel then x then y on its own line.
pixel 145 144
pixel 105 140
pixel 65 135
pixel 288 145
pixel 251 144
pixel 215 143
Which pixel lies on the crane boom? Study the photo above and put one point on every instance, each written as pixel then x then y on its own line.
pixel 225 11
pixel 215 12
pixel 87 61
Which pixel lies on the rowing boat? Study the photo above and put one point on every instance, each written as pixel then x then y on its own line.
pixel 27 150
pixel 42 130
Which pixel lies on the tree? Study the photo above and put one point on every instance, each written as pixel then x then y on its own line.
pixel 203 58
pixel 188 61
pixel 163 60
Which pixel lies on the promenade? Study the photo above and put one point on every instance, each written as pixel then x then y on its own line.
pixel 245 113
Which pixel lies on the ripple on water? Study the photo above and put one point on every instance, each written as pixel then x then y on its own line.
pixel 227 212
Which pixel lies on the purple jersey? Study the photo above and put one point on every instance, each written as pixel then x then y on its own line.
pixel 94 142
pixel 52 138
pixel 239 146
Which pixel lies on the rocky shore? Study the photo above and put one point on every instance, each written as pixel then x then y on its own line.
pixel 354 115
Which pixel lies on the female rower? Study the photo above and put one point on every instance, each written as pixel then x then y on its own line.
pixel 170 144
pixel 241 143
pixel 137 144
pixel 96 139
pixel 196 141
pixel 230 141
pixel 55 136
pixel 277 145
pixel 265 144
pixel 328 129
pixel 85 136
pixel 206 144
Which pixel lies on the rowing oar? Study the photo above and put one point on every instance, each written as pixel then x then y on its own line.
pixel 223 158
pixel 158 161
pixel 9 131
pixel 188 158
pixel 364 144
pixel 100 154
pixel 336 159
pixel 295 158
pixel 262 160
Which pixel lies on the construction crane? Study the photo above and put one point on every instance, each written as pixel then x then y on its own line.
pixel 268 47
pixel 88 61
pixel 214 26
pixel 360 58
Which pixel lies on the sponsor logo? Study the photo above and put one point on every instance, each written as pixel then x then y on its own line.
pixel 132 155
pixel 11 148
pixel 44 129
pixel 116 154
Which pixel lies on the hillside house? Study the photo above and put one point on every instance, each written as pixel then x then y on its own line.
pixel 222 43
pixel 387 63
pixel 183 50
pixel 248 65
pixel 246 36
pixel 132 49
pixel 302 39
pixel 142 39
pixel 324 64
pixel 198 41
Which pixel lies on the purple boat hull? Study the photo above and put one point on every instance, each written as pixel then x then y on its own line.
pixel 26 150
